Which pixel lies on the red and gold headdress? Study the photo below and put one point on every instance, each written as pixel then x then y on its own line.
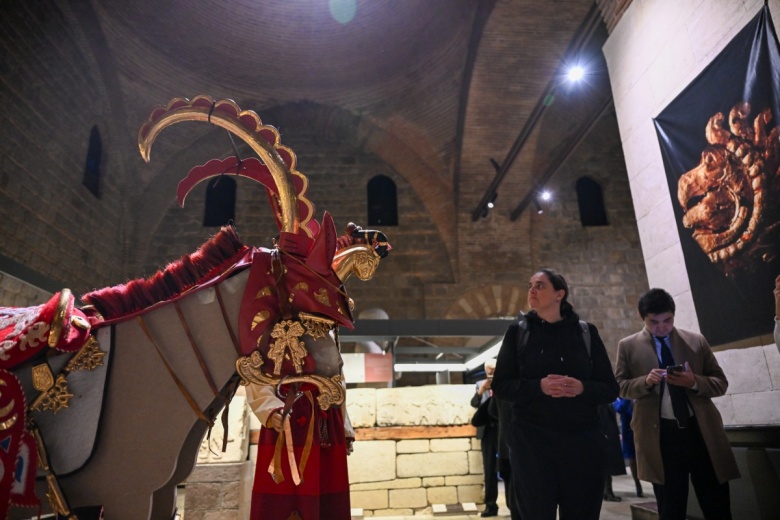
pixel 298 283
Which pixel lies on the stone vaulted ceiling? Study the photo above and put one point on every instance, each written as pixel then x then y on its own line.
pixel 434 88
pixel 436 94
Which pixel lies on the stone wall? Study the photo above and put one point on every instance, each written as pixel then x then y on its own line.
pixel 407 477
pixel 414 449
pixel 219 491
pixel 655 51
pixel 16 293
pixel 220 486
pixel 49 221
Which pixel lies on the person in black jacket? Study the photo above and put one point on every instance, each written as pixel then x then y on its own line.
pixel 487 433
pixel 502 412
pixel 615 463
pixel 555 383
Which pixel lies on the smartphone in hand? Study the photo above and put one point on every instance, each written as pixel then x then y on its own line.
pixel 675 368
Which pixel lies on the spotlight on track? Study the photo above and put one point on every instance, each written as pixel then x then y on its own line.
pixel 575 73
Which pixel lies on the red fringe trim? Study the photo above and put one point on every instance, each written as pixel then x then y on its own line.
pixel 205 263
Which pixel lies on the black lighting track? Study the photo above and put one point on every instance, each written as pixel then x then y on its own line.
pixel 581 38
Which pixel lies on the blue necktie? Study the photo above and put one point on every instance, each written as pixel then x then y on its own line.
pixel 676 393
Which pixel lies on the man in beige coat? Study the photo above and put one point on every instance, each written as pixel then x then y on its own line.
pixel 671 445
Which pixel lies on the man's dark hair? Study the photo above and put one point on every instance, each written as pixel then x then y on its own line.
pixel 655 301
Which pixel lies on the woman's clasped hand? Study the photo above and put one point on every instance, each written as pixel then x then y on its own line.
pixel 556 385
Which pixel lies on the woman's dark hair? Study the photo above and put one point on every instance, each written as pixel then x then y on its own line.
pixel 655 301
pixel 559 284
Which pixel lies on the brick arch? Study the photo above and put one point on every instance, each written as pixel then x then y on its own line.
pixel 398 143
pixel 422 173
pixel 489 301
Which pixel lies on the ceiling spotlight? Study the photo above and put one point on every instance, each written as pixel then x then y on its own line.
pixel 539 209
pixel 492 202
pixel 576 73
pixel 546 195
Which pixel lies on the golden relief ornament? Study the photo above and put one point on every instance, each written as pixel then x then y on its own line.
pixel 259 318
pixel 55 398
pixel 89 357
pixel 262 293
pixel 42 377
pixel 6 424
pixel 56 498
pixel 360 259
pixel 366 262
pixel 286 334
pixel 53 492
pixel 58 321
pixel 316 326
pixel 331 390
pixel 54 394
pixel 322 296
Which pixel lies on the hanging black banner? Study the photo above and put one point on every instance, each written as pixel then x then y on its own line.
pixel 721 153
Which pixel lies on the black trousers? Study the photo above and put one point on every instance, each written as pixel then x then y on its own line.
pixel 505 470
pixel 684 453
pixel 490 464
pixel 558 471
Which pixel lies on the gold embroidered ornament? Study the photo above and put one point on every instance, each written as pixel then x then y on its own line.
pixel 316 326
pixel 331 390
pixel 54 392
pixel 55 398
pixel 286 334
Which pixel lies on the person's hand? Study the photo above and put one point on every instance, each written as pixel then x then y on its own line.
pixel 655 377
pixel 485 386
pixel 556 385
pixel 275 421
pixel 685 379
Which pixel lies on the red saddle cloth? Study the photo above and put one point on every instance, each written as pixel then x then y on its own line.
pixel 18 455
pixel 27 331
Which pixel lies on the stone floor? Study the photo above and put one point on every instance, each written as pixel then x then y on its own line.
pixel 622 485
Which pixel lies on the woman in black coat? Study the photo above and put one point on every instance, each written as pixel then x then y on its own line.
pixel 555 375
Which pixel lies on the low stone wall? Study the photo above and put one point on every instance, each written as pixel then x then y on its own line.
pixel 414 448
pixel 406 477
pixel 219 491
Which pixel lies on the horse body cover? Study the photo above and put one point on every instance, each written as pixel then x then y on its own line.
pixel 26 333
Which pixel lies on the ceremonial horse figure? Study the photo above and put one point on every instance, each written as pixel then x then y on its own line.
pixel 173 343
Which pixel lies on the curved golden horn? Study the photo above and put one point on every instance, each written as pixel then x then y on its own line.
pixel 247 125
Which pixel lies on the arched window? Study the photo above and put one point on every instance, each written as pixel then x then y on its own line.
pixel 220 201
pixel 382 202
pixel 591 201
pixel 92 165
